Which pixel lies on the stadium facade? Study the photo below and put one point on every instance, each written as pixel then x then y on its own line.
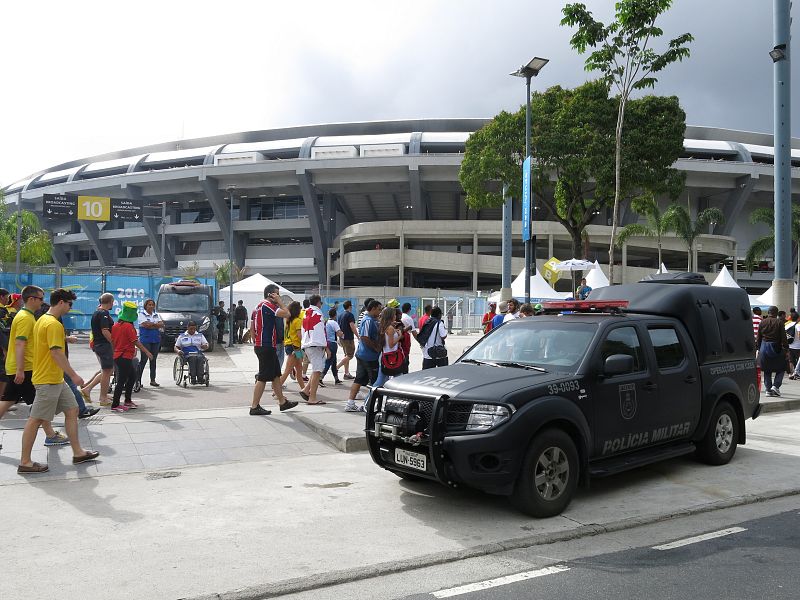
pixel 370 204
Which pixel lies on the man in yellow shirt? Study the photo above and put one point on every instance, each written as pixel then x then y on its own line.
pixel 19 361
pixel 52 393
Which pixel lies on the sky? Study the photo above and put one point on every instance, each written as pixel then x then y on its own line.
pixel 84 78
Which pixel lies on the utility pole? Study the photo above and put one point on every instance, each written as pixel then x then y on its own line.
pixel 783 283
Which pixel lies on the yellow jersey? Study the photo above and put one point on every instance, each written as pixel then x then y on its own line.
pixel 21 329
pixel 47 334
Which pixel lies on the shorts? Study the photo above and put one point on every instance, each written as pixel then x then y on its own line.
pixel 52 399
pixel 349 348
pixel 316 358
pixel 4 377
pixel 366 371
pixel 22 392
pixel 105 355
pixel 269 369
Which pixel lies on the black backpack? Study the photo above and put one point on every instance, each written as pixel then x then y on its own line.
pixel 425 332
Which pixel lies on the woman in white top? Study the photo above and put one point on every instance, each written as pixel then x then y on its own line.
pixel 391 339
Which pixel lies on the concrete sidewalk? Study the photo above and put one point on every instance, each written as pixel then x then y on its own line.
pixel 297 522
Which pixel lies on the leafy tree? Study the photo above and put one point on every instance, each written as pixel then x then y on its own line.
pixel 190 271
pixel 678 219
pixel 656 226
pixel 36 248
pixel 572 141
pixel 623 55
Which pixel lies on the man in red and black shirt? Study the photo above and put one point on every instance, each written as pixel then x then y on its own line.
pixel 265 339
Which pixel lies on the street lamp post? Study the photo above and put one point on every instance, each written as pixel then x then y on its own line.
pixel 230 189
pixel 529 71
pixel 163 238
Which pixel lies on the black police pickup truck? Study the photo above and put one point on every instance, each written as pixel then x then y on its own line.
pixel 638 373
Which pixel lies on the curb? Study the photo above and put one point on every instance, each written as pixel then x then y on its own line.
pixel 341 441
pixel 312 582
pixel 779 406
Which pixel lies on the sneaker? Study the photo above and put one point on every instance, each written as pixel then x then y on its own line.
pixel 351 406
pixel 155 384
pixel 258 410
pixel 770 393
pixel 304 396
pixel 59 439
pixel 131 405
pixel 90 412
pixel 348 376
pixel 120 409
pixel 775 391
pixel 321 384
pixel 287 405
pixel 338 382
pixel 362 408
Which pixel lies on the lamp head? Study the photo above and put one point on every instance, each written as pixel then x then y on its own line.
pixel 531 69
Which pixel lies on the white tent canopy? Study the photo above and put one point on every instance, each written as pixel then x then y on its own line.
pixel 767 298
pixel 725 279
pixel 595 278
pixel 662 269
pixel 540 289
pixel 250 291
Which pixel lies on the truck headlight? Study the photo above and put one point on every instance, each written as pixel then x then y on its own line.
pixel 486 416
pixel 204 324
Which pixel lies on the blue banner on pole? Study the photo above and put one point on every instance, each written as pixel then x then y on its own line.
pixel 526 200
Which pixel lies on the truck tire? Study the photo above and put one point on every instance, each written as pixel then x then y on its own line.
pixel 719 442
pixel 549 475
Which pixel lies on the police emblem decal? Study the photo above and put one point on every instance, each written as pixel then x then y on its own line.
pixel 627 401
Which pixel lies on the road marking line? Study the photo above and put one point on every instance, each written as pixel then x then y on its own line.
pixel 700 538
pixel 490 583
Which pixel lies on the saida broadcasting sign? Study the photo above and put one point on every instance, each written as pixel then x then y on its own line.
pixel 91 208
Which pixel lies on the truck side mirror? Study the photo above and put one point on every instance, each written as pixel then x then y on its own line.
pixel 618 364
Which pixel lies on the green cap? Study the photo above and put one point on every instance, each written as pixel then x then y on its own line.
pixel 129 312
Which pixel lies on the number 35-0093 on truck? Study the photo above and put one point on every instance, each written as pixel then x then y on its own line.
pixel 636 374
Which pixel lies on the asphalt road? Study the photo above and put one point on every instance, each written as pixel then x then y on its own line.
pixel 752 559
pixel 757 558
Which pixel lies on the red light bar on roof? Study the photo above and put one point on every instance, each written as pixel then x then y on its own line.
pixel 186 282
pixel 586 305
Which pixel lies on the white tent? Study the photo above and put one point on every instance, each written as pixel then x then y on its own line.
pixel 250 291
pixel 766 299
pixel 596 278
pixel 662 269
pixel 540 289
pixel 725 279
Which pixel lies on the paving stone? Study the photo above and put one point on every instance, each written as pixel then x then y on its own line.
pixel 152 448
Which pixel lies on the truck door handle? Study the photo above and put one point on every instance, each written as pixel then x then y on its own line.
pixel 650 386
pixel 690 379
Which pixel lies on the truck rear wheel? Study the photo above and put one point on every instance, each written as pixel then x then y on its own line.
pixel 549 475
pixel 719 442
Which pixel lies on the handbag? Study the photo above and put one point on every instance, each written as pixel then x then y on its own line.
pixel 437 351
pixel 392 362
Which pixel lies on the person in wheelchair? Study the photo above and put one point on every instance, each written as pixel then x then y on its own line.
pixel 190 345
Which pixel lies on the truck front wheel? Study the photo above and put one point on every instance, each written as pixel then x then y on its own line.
pixel 719 442
pixel 549 475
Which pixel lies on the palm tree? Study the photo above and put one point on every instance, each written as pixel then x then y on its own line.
pixel 190 271
pixel 678 219
pixel 655 227
pixel 765 245
pixel 223 272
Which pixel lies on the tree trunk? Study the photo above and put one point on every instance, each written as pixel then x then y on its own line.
pixel 617 185
pixel 577 243
pixel 689 258
pixel 660 261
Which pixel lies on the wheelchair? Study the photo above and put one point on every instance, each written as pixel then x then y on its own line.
pixel 137 385
pixel 180 371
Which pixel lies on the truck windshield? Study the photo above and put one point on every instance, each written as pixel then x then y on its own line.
pixel 553 346
pixel 183 303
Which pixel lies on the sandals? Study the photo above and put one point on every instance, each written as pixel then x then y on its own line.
pixel 33 468
pixel 76 460
pixel 315 403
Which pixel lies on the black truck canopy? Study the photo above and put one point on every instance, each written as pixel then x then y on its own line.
pixel 718 319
